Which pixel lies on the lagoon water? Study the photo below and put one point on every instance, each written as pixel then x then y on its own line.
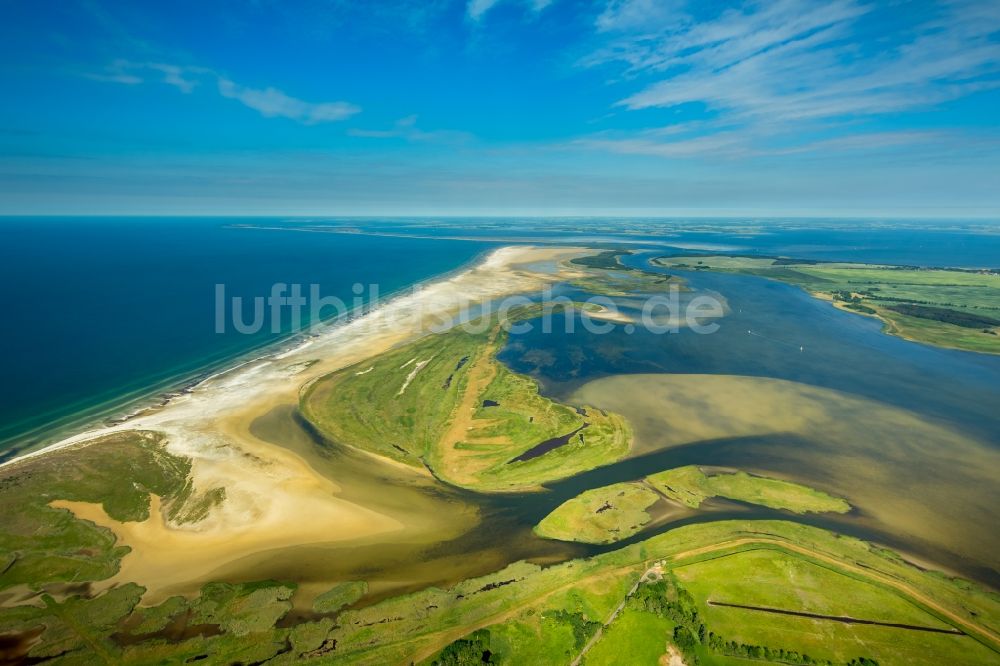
pixel 790 386
pixel 102 311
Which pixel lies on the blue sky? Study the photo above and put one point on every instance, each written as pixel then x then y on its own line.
pixel 331 107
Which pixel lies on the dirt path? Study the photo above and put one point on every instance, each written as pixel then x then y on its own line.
pixel 970 627
pixel 652 571
pixel 455 463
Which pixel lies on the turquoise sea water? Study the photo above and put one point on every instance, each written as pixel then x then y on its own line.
pixel 98 313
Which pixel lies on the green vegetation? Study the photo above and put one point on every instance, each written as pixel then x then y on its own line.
pixel 607 276
pixel 243 608
pixel 793 582
pixel 520 600
pixel 607 260
pixel 340 595
pixel 552 630
pixel 227 623
pixel 964 319
pixel 445 403
pixel 528 614
pixel 956 308
pixel 41 545
pixel 691 486
pixel 77 629
pixel 602 515
pixel 616 512
pixel 637 633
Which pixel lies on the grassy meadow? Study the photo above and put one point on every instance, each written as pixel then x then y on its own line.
pixel 602 515
pixel 612 513
pixel 691 486
pixel 42 545
pixel 748 562
pixel 955 308
pixel 445 403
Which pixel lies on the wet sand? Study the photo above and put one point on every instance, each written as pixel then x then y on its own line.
pixel 274 498
pixel 903 473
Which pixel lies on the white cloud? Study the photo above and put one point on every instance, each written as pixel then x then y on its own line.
pixel 177 76
pixel 406 128
pixel 273 103
pixel 269 102
pixel 796 59
pixel 724 143
pixel 128 72
pixel 476 9
pixel 643 15
pixel 777 68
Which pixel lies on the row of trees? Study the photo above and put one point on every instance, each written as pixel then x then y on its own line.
pixel 668 599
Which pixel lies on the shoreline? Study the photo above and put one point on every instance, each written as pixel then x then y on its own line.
pixel 157 395
pixel 274 498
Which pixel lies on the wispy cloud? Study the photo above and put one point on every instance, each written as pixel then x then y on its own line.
pixel 772 69
pixel 641 15
pixel 477 9
pixel 731 144
pixel 272 103
pixel 406 128
pixel 269 102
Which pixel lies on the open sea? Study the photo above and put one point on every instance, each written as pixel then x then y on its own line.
pixel 99 313
pixel 102 314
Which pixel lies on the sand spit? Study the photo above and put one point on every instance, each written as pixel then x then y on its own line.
pixel 273 497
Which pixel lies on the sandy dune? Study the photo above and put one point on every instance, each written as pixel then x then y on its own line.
pixel 273 497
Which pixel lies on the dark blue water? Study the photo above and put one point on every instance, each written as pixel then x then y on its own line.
pixel 795 337
pixel 100 310
pixel 965 244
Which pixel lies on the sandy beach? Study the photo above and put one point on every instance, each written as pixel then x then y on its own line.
pixel 274 498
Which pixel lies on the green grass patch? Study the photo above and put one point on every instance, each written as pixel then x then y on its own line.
pixel 404 404
pixel 691 486
pixel 77 625
pixel 40 544
pixel 635 635
pixel 340 595
pixel 777 580
pixel 367 406
pixel 616 512
pixel 424 622
pixel 602 515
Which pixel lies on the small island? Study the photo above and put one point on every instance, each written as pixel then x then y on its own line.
pixel 612 513
pixel 691 486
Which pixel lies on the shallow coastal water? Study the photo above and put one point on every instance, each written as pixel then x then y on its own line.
pixel 935 511
pixel 921 484
pixel 107 312
pixel 103 311
pixel 792 387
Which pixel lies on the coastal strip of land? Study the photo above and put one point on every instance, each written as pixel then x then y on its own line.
pixel 272 497
pixel 956 308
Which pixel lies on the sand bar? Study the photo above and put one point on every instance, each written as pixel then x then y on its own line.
pixel 273 497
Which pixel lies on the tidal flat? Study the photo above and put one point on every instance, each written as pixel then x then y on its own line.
pixel 904 474
pixel 406 463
